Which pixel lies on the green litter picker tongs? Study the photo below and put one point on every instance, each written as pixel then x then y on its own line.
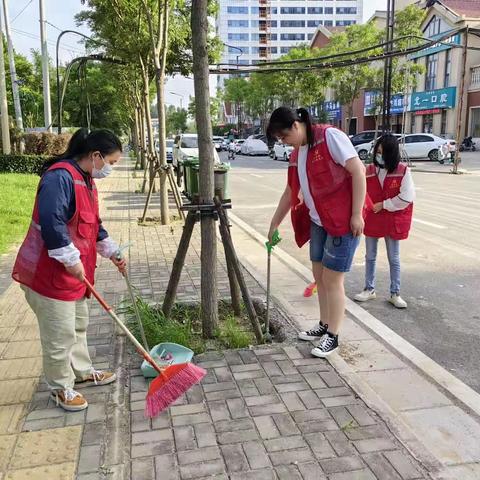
pixel 275 241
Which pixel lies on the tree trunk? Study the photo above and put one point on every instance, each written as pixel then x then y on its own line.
pixel 199 24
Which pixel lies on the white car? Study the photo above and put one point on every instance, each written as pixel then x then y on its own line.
pixel 424 145
pixel 281 151
pixel 254 146
pixel 217 142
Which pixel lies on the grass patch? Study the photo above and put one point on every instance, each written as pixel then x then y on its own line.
pixel 185 328
pixel 17 194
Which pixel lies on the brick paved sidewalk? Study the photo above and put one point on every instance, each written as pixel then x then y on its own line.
pixel 263 413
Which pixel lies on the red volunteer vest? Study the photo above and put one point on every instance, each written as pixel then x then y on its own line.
pixel 46 276
pixel 330 186
pixel 395 225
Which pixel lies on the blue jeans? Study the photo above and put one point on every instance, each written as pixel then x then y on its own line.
pixel 334 253
pixel 393 253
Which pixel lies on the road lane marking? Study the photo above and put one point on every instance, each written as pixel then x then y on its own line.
pixel 255 175
pixel 254 207
pixel 430 224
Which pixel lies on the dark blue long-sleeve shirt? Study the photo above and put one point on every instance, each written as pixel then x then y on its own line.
pixel 56 206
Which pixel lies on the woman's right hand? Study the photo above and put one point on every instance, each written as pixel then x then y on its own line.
pixel 273 227
pixel 77 271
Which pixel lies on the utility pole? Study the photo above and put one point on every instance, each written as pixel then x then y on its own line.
pixel 47 110
pixel 13 72
pixel 3 103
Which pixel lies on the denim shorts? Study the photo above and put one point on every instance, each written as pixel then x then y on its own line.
pixel 334 253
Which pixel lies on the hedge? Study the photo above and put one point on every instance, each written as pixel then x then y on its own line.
pixel 45 143
pixel 22 163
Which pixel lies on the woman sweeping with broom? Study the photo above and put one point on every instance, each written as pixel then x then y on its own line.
pixel 59 253
pixel 325 193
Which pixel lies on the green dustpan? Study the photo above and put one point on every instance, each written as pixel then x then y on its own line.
pixel 166 354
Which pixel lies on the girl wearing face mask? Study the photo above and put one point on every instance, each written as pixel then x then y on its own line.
pixel 391 189
pixel 325 194
pixel 59 252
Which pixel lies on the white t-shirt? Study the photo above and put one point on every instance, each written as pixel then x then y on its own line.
pixel 406 195
pixel 341 150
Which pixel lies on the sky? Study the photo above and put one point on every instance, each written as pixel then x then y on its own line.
pixel 25 30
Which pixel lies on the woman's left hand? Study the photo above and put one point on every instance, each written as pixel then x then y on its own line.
pixel 377 207
pixel 121 263
pixel 357 224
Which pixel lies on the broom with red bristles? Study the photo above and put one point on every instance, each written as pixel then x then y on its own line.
pixel 172 382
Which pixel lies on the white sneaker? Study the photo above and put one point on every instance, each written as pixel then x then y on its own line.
pixel 397 301
pixel 365 295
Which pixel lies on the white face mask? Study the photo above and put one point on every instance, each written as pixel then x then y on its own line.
pixel 105 171
pixel 379 159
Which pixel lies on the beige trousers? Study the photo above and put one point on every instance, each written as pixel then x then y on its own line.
pixel 63 335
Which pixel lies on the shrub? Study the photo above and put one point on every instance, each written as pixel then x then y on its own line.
pixel 22 163
pixel 45 143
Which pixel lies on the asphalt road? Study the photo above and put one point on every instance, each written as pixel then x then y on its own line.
pixel 440 259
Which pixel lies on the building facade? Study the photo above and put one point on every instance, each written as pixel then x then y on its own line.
pixel 258 30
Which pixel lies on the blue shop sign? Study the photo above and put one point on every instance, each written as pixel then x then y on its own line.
pixel 333 109
pixel 373 97
pixel 438 47
pixel 441 98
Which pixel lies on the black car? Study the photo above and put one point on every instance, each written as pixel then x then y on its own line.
pixel 364 137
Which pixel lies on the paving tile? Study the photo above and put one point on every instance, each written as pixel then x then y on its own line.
pixel 256 455
pixel 60 471
pixel 198 455
pixel 7 442
pixel 46 447
pixel 288 472
pixel 234 458
pixel 403 464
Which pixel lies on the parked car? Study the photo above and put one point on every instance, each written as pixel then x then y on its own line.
pixel 169 148
pixel 424 145
pixel 218 142
pixel 236 145
pixel 186 147
pixel 254 146
pixel 281 151
pixel 363 137
pixel 364 149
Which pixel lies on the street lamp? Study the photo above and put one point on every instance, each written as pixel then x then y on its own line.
pixel 235 48
pixel 181 98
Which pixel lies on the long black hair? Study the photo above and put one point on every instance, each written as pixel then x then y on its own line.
pixel 390 152
pixel 283 118
pixel 83 142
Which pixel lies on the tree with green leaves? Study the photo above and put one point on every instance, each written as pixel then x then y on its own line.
pixel 176 120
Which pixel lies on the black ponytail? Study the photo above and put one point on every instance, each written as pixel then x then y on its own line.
pixel 283 118
pixel 82 143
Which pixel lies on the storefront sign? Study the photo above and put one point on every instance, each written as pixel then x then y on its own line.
pixel 441 98
pixel 438 47
pixel 333 109
pixel 428 112
pixel 373 107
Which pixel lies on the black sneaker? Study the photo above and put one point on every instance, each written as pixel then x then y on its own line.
pixel 328 344
pixel 314 334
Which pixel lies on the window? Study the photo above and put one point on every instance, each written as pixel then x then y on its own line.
pixel 254 37
pixel 344 23
pixel 236 51
pixel 310 36
pixel 254 23
pixel 238 23
pixel 315 10
pixel 292 36
pixel 434 26
pixel 243 10
pixel 448 68
pixel 328 23
pixel 475 122
pixel 412 123
pixel 273 23
pixel 292 23
pixel 346 10
pixel 443 127
pixel 431 75
pixel 254 10
pixel 285 49
pixel 189 142
pixel 255 50
pixel 328 10
pixel 314 23
pixel 238 36
pixel 273 49
pixel 292 10
pixel 427 127
pixel 273 36
pixel 274 10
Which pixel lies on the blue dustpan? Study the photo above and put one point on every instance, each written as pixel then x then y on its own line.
pixel 166 354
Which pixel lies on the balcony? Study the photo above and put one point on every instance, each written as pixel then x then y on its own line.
pixel 475 80
pixel 264 2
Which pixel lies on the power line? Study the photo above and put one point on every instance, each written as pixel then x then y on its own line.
pixel 22 10
pixel 36 37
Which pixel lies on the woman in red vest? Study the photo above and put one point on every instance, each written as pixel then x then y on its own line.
pixel 325 195
pixel 59 252
pixel 391 189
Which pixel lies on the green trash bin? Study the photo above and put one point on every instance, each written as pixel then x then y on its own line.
pixel 193 184
pixel 189 176
pixel 221 181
